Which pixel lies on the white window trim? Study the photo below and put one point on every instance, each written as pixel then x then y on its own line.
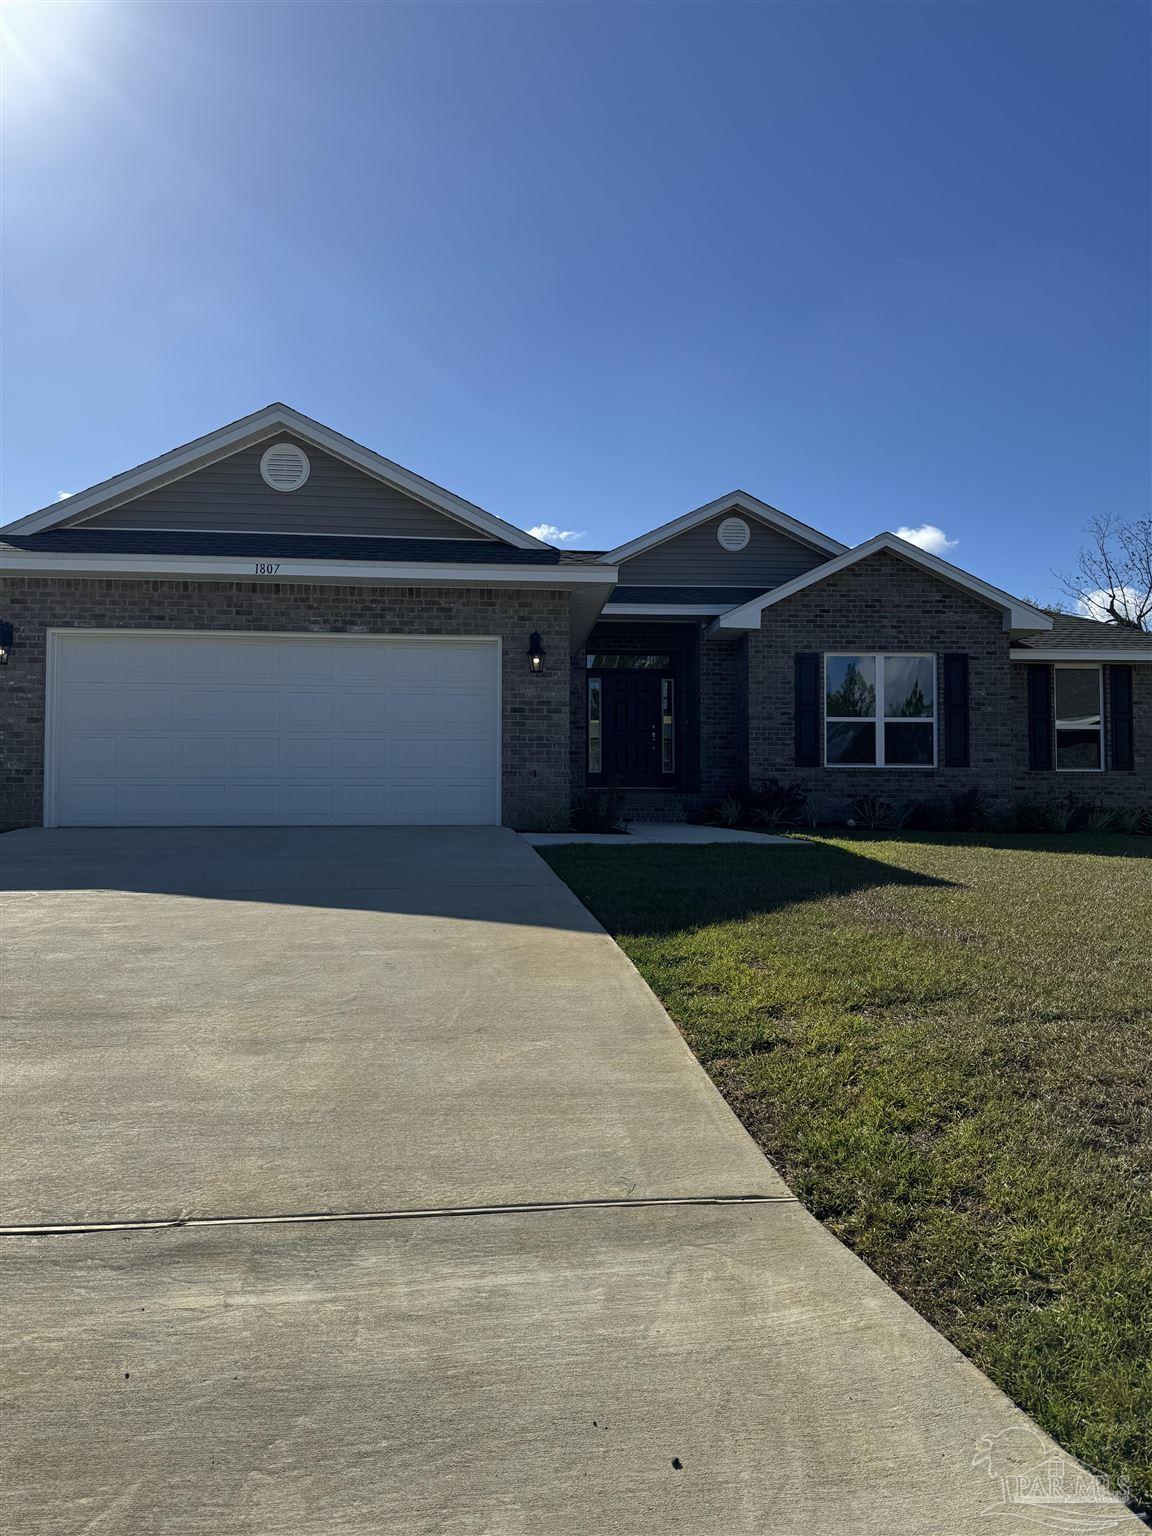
pixel 879 719
pixel 1081 666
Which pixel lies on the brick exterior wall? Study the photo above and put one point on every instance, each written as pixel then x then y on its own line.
pixel 535 709
pixel 885 604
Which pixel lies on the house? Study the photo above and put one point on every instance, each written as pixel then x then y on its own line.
pixel 274 625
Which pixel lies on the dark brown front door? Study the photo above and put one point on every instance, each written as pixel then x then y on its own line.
pixel 632 726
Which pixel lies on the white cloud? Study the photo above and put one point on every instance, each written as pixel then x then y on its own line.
pixel 1095 604
pixel 928 537
pixel 63 495
pixel 553 535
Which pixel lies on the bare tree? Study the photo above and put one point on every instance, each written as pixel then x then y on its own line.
pixel 1113 575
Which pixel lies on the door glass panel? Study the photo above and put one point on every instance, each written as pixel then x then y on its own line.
pixel 608 661
pixel 667 727
pixel 595 750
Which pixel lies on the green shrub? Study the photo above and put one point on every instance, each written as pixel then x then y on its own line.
pixel 1034 816
pixel 599 813
pixel 778 805
pixel 872 812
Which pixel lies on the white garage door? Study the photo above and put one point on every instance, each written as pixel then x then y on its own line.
pixel 270 730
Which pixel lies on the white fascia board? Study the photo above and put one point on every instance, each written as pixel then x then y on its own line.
pixel 736 500
pixel 662 610
pixel 1083 655
pixel 211 567
pixel 1017 615
pixel 203 451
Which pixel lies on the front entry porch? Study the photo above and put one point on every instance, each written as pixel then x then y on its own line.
pixel 658 718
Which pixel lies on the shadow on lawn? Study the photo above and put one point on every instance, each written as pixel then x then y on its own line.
pixel 658 890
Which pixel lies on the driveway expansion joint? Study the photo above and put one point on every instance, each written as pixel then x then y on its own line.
pixel 161 1224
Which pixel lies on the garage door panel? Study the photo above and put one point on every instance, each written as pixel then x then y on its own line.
pixel 360 710
pixel 269 730
pixel 204 663
pixel 306 754
pixel 146 709
pixel 254 709
pixel 200 708
pixel 200 802
pixel 310 711
pixel 410 664
pixel 143 663
pixel 199 756
pixel 144 757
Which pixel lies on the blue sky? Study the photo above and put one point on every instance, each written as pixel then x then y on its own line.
pixel 594 265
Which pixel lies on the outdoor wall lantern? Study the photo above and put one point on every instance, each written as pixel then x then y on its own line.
pixel 535 653
pixel 5 642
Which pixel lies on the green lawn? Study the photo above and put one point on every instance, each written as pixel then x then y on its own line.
pixel 944 1044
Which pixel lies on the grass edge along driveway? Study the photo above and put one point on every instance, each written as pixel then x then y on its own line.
pixel 943 1043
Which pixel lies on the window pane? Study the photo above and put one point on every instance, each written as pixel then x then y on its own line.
pixel 1078 696
pixel 1077 749
pixel 908 743
pixel 851 686
pixel 607 661
pixel 909 687
pixel 851 743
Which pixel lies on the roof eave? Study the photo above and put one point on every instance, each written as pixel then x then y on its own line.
pixel 1081 653
pixel 19 562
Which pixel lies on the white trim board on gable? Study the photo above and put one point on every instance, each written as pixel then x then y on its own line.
pixel 1017 615
pixel 206 450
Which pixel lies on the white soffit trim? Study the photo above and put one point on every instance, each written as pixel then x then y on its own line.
pixel 203 451
pixel 1100 654
pixel 16 562
pixel 1017 615
pixel 735 501
pixel 662 610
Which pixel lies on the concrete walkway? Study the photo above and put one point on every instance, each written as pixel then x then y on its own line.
pixel 640 832
pixel 252 1025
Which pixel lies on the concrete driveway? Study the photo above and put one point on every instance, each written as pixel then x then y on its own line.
pixel 235 1029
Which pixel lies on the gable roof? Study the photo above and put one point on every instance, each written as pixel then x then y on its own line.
pixel 227 440
pixel 1017 614
pixel 735 501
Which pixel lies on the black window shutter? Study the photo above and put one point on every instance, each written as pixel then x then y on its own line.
pixel 1039 717
pixel 807 709
pixel 956 749
pixel 1120 683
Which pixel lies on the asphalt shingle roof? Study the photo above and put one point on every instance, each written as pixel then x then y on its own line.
pixel 1071 633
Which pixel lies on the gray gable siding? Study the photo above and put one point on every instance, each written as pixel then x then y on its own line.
pixel 695 558
pixel 232 496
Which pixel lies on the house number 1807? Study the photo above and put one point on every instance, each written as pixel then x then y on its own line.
pixel 264 568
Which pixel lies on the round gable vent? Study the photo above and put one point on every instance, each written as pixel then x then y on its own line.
pixel 285 467
pixel 733 533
